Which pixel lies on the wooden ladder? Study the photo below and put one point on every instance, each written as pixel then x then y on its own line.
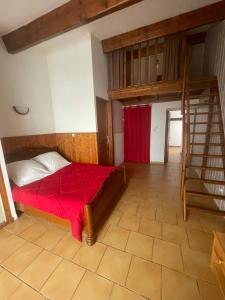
pixel 203 162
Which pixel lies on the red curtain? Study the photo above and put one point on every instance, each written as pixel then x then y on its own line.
pixel 137 124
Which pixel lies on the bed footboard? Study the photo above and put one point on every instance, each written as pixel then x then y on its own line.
pixel 97 211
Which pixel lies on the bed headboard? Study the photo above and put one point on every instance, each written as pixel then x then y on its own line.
pixel 27 153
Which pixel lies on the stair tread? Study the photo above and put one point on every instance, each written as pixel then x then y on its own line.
pixel 205 194
pixel 208 144
pixel 202 104
pixel 206 168
pixel 205 113
pixel 202 123
pixel 217 182
pixel 207 155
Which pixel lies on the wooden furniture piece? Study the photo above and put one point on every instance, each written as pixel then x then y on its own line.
pixel 96 212
pixel 218 258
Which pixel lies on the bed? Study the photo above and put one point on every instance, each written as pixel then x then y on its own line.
pixel 79 196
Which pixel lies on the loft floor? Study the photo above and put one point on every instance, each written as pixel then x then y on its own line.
pixel 144 251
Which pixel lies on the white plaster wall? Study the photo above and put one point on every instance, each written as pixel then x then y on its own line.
pixel 24 80
pixel 118 132
pixel 158 129
pixel 175 133
pixel 72 87
pixel 100 71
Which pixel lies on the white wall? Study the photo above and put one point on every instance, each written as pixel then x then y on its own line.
pixel 175 133
pixel 214 64
pixel 100 69
pixel 158 129
pixel 71 80
pixel 24 81
pixel 118 133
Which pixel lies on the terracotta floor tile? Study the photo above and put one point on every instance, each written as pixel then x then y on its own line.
pixel 22 223
pixel 166 216
pixel 24 292
pixel 22 258
pixel 150 227
pixel 147 212
pixel 93 287
pixel 178 286
pixel 4 234
pixel 63 282
pixel 167 254
pixel 199 240
pixel 90 257
pixel 129 222
pixel 102 232
pixel 120 293
pixel 67 247
pixel 129 208
pixel 209 291
pixel 197 264
pixel 190 223
pixel 115 265
pixel 8 285
pixel 35 231
pixel 144 277
pixel 51 237
pixel 212 223
pixel 174 234
pixel 40 269
pixel 114 218
pixel 116 237
pixel 140 245
pixel 11 244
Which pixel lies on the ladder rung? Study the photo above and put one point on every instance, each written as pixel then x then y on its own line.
pixel 204 113
pixel 202 194
pixel 211 210
pixel 207 144
pixel 206 168
pixel 202 96
pixel 210 181
pixel 202 104
pixel 204 123
pixel 205 132
pixel 208 155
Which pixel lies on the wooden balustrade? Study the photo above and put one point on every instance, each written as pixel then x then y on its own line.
pixel 141 64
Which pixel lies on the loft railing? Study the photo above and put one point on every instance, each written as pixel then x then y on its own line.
pixel 156 60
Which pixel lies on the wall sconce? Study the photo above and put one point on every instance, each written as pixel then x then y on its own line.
pixel 21 110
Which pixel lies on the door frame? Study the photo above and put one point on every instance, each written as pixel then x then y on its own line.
pixel 109 130
pixel 168 119
pixel 5 200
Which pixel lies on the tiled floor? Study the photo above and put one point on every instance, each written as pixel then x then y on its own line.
pixel 144 251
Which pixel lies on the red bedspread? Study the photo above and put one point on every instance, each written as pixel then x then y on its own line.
pixel 65 192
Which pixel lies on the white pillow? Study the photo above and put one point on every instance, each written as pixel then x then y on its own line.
pixel 52 161
pixel 26 171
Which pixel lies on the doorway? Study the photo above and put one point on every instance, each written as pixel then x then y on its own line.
pixel 137 123
pixel 174 131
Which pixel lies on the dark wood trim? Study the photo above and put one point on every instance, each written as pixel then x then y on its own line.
pixel 192 19
pixel 151 89
pixel 71 15
pixel 4 197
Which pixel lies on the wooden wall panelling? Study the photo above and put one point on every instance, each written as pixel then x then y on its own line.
pixel 80 147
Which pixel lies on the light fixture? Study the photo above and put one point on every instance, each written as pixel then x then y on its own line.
pixel 21 110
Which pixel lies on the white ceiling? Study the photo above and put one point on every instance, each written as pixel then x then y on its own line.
pixel 15 13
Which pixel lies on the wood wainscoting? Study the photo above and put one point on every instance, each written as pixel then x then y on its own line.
pixel 79 147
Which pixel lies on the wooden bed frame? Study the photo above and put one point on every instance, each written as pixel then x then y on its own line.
pixel 96 212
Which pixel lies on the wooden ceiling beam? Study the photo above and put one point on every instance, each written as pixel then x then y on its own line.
pixel 73 14
pixel 199 17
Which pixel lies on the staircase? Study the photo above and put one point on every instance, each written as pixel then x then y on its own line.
pixel 203 165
